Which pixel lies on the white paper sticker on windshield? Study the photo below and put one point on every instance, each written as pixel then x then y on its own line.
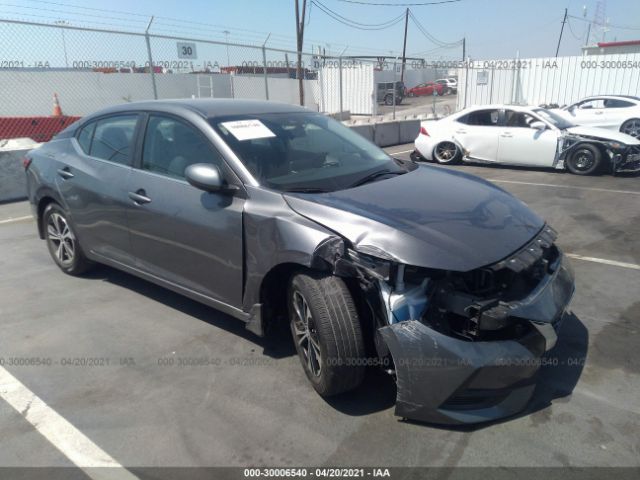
pixel 248 129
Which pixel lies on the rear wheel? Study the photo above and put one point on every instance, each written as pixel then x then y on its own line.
pixel 584 160
pixel 631 127
pixel 326 330
pixel 388 100
pixel 446 153
pixel 62 241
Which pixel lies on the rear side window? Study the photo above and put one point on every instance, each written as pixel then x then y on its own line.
pixel 85 136
pixel 113 137
pixel 615 103
pixel 486 118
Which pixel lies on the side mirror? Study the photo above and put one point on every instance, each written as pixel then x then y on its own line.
pixel 538 125
pixel 207 177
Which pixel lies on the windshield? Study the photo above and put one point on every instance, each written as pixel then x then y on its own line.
pixel 303 151
pixel 553 118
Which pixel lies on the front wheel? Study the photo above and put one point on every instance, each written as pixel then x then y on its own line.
pixel 631 127
pixel 584 160
pixel 326 331
pixel 446 153
pixel 62 241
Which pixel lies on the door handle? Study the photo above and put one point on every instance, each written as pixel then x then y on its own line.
pixel 139 197
pixel 65 173
pixel 461 131
pixel 506 135
pixel 598 113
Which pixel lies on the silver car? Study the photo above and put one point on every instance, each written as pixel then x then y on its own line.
pixel 273 213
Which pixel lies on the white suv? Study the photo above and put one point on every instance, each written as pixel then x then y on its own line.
pixel 449 85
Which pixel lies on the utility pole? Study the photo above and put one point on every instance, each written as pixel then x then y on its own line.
pixel 564 20
pixel 404 45
pixel 300 42
pixel 464 48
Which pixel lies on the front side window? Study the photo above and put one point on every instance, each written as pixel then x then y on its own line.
pixel 303 151
pixel 594 104
pixel 518 119
pixel 113 137
pixel 171 145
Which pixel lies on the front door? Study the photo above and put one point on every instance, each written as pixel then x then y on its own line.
pixel 519 144
pixel 179 233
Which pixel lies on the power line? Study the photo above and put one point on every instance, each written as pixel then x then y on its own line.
pixel 416 4
pixel 354 24
pixel 621 27
pixel 430 37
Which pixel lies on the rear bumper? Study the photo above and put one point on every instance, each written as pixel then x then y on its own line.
pixel 446 380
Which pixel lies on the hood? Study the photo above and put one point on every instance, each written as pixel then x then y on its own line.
pixel 604 134
pixel 431 217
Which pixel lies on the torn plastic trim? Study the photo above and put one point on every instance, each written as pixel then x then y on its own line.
pixel 475 381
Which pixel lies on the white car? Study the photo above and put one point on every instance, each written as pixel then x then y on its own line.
pixel 528 136
pixel 449 85
pixel 615 112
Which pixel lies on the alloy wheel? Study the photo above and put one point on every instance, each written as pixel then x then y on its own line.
pixel 446 151
pixel 61 238
pixel 632 127
pixel 583 159
pixel 304 329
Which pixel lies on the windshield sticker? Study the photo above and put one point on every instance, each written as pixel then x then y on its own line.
pixel 248 129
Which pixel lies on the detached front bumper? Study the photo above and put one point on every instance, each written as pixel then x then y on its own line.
pixel 442 379
pixel 627 160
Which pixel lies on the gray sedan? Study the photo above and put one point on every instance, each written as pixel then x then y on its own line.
pixel 273 213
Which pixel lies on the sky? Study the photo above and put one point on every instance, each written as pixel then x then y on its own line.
pixel 492 28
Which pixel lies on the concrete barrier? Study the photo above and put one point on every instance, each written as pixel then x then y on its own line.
pixel 388 133
pixel 364 129
pixel 409 130
pixel 12 178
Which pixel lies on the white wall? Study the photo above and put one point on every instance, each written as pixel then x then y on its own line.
pixel 560 80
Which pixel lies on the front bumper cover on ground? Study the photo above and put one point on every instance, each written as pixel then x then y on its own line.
pixel 441 379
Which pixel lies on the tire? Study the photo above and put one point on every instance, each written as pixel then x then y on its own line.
pixel 324 303
pixel 584 159
pixel 388 100
pixel 631 127
pixel 62 241
pixel 446 153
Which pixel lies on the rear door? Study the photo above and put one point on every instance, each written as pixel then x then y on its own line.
pixel 478 133
pixel 92 182
pixel 519 144
pixel 179 233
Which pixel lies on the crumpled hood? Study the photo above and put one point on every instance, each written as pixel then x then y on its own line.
pixel 604 134
pixel 431 217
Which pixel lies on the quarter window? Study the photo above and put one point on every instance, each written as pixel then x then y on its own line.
pixel 112 138
pixel 85 136
pixel 170 146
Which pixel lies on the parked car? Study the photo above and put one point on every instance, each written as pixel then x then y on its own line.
pixel 528 136
pixel 425 89
pixel 385 92
pixel 271 212
pixel 449 85
pixel 620 113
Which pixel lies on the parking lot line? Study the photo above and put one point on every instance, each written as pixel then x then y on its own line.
pixel 73 444
pixel 604 261
pixel 497 180
pixel 16 219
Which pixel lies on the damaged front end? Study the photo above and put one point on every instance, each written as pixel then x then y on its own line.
pixel 464 347
pixel 622 157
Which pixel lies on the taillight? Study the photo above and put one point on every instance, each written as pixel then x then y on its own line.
pixel 423 131
pixel 26 161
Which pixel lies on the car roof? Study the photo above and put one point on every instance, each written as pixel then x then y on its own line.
pixel 207 107
pixel 626 97
pixel 498 106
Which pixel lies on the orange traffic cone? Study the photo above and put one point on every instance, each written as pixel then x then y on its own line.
pixel 57 111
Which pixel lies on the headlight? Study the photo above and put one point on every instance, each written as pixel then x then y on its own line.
pixel 616 145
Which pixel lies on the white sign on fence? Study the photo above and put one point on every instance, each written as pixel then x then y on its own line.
pixel 187 50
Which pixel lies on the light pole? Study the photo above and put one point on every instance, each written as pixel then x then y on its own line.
pixel 64 42
pixel 226 36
